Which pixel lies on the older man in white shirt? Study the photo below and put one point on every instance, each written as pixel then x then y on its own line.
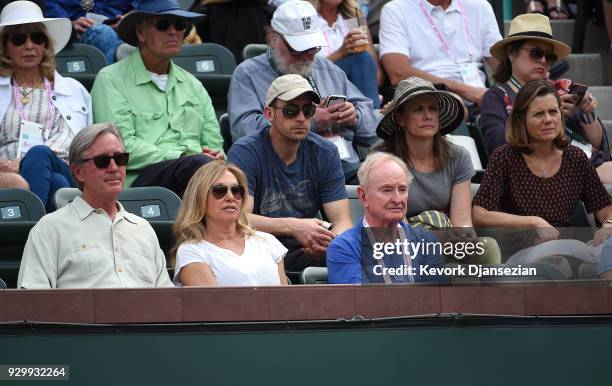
pixel 443 41
pixel 93 241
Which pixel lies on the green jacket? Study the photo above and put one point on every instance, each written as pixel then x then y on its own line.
pixel 156 125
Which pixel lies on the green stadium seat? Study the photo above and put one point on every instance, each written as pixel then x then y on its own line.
pixel 252 50
pixel 81 62
pixel 355 208
pixel 13 236
pixel 213 65
pixel 314 275
pixel 153 203
pixel 225 132
pixel 20 205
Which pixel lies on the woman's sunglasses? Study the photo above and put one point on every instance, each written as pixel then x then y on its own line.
pixel 102 161
pixel 164 24
pixel 536 53
pixel 19 39
pixel 292 111
pixel 219 191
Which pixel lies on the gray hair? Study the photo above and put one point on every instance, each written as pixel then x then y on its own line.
pixel 374 159
pixel 83 140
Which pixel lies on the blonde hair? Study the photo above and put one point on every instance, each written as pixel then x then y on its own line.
pixel 190 223
pixel 47 64
pixel 348 8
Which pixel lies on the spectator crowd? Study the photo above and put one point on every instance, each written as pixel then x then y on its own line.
pixel 306 121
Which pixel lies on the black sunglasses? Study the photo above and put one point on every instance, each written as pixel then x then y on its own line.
pixel 292 111
pixel 164 24
pixel 20 38
pixel 102 161
pixel 219 191
pixel 536 53
pixel 293 52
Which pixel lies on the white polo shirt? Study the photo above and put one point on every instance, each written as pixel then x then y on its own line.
pixel 404 29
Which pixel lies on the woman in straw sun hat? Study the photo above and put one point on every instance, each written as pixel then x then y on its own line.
pixel 413 129
pixel 527 53
pixel 41 110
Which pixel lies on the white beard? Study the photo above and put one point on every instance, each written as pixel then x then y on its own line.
pixel 301 67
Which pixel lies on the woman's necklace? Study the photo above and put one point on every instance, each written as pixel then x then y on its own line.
pixel 542 169
pixel 25 95
pixel 25 99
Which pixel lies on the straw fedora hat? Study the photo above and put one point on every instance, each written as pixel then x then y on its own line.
pixel 25 12
pixel 451 108
pixel 530 26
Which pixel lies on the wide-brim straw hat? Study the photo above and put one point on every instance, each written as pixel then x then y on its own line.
pixel 451 108
pixel 127 27
pixel 26 12
pixel 530 26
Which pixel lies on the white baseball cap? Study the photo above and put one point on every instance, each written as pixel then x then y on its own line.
pixel 298 22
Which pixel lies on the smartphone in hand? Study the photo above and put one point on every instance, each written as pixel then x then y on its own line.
pixel 578 90
pixel 334 99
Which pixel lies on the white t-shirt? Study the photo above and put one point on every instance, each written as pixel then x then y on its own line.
pixel 404 29
pixel 160 80
pixel 257 266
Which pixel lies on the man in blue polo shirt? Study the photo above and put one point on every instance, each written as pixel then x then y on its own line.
pixel 382 247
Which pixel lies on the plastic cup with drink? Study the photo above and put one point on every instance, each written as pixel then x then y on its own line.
pixel 358 26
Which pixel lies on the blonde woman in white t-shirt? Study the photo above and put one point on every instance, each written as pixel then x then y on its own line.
pixel 215 246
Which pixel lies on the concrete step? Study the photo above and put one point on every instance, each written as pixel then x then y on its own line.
pixel 604 98
pixel 585 68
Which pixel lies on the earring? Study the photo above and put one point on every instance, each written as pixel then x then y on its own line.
pixel 400 129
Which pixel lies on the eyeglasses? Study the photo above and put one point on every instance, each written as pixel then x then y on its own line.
pixel 292 111
pixel 20 38
pixel 219 191
pixel 293 52
pixel 164 24
pixel 536 53
pixel 102 161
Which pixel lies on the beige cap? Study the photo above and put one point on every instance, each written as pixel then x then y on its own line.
pixel 288 87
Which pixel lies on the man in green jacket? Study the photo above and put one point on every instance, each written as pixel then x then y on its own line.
pixel 164 113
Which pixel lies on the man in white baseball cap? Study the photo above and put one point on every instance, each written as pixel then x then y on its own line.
pixel 294 38
pixel 292 173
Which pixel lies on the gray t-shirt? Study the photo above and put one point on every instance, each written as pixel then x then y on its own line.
pixel 432 191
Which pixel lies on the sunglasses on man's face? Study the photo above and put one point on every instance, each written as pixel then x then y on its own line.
pixel 292 111
pixel 219 191
pixel 536 53
pixel 164 24
pixel 310 51
pixel 19 39
pixel 102 161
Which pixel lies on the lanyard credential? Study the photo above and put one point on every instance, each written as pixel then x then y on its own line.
pixel 407 259
pixel 47 131
pixel 468 34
